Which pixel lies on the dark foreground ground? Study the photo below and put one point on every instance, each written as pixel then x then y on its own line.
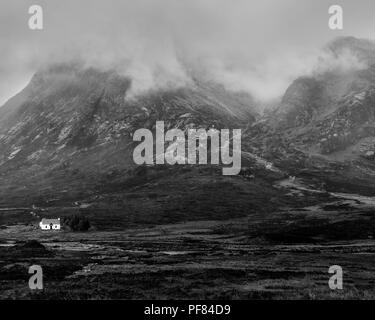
pixel 189 236
pixel 282 252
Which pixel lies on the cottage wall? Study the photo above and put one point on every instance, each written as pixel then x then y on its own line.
pixel 47 226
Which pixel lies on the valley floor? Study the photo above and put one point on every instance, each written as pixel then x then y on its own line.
pixel 286 256
pixel 196 260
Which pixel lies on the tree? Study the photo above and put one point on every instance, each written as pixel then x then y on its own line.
pixel 76 222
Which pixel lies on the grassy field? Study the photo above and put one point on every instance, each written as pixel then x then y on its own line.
pixel 203 260
pixel 189 236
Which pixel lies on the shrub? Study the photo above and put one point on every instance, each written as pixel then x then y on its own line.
pixel 76 222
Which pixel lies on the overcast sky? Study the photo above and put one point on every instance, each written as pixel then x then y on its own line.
pixel 251 45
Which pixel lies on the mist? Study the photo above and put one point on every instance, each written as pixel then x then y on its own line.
pixel 253 46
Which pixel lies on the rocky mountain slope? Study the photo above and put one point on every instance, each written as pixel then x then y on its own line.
pixel 325 123
pixel 67 137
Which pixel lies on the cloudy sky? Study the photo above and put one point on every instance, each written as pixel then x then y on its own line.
pixel 258 46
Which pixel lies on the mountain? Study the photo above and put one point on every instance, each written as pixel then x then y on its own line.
pixel 66 110
pixel 66 143
pixel 325 123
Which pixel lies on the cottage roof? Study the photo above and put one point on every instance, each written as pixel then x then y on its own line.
pixel 49 221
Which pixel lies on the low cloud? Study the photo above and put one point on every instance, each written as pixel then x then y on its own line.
pixel 257 47
pixel 269 78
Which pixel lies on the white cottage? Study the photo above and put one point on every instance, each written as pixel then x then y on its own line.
pixel 50 224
